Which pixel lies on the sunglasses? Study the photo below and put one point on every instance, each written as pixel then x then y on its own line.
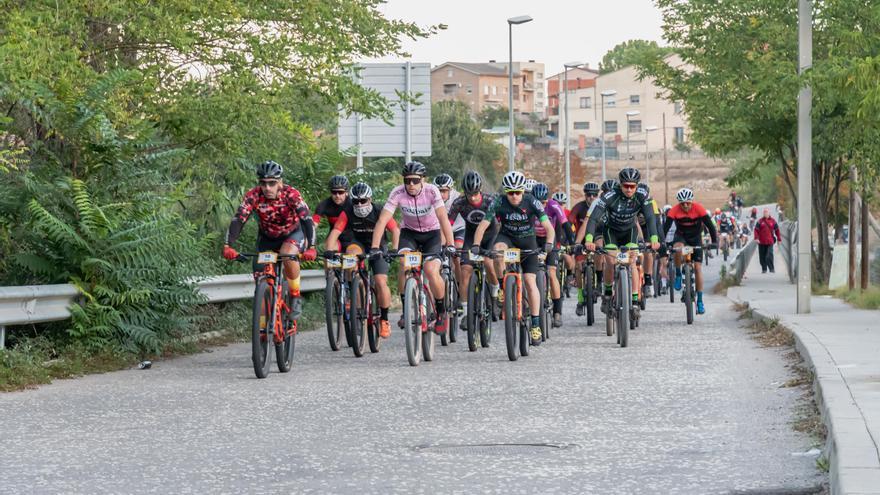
pixel 514 193
pixel 628 186
pixel 339 193
pixel 444 190
pixel 412 181
pixel 269 183
pixel 687 203
pixel 592 195
pixel 361 201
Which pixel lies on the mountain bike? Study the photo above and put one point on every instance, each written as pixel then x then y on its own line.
pixel 562 274
pixel 687 274
pixel 419 313
pixel 451 301
pixel 364 307
pixel 621 309
pixel 517 316
pixel 480 305
pixel 670 274
pixel 725 244
pixel 336 311
pixel 589 286
pixel 272 313
pixel 542 279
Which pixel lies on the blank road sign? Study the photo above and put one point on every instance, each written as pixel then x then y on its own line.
pixel 378 139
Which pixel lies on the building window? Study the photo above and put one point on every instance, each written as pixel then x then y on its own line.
pixel 540 75
pixel 610 101
pixel 635 126
pixel 611 127
pixel 634 99
pixel 449 89
pixel 449 73
pixel 582 125
pixel 494 90
pixel 586 102
pixel 469 89
pixel 677 106
pixel 679 135
pixel 540 95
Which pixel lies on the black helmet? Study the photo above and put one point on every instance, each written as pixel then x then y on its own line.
pixel 609 185
pixel 644 186
pixel 414 168
pixel 269 170
pixel 443 181
pixel 361 191
pixel 541 192
pixel 591 188
pixel 629 174
pixel 338 182
pixel 471 182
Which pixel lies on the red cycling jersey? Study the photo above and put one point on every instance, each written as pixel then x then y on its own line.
pixel 688 224
pixel 277 217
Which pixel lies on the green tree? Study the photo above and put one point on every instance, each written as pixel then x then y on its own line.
pixel 630 53
pixel 740 83
pixel 458 144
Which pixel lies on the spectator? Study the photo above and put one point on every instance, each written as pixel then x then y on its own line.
pixel 767 234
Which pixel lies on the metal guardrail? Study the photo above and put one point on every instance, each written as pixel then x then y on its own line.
pixel 741 261
pixel 27 304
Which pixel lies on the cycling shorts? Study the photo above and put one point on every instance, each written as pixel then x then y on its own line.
pixel 267 243
pixel 378 266
pixel 428 243
pixel 529 263
pixel 615 238
pixel 486 244
pixel 695 241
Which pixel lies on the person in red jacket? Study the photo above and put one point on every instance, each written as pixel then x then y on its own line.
pixel 767 234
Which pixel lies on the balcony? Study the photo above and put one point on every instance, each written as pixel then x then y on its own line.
pixel 527 86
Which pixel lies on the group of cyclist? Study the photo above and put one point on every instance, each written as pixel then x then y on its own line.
pixel 440 222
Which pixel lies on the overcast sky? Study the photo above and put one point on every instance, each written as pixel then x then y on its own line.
pixel 562 30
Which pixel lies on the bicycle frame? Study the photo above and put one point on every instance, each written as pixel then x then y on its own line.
pixel 270 275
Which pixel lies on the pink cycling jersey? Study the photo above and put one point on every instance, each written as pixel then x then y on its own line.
pixel 418 211
pixel 556 215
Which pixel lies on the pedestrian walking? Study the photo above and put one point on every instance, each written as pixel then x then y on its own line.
pixel 767 234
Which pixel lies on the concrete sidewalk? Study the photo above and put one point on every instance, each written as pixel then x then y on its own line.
pixel 842 344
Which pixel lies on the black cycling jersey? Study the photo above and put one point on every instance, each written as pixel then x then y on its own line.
pixel 327 208
pixel 516 221
pixel 472 214
pixel 578 213
pixel 725 225
pixel 620 213
pixel 361 229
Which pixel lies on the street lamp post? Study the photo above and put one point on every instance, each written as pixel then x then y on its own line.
pixel 522 19
pixel 566 145
pixel 631 113
pixel 604 94
pixel 648 131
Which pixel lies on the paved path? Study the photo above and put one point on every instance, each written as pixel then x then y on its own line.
pixel 691 410
pixel 843 345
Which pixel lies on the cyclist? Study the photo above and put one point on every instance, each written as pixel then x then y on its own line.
pixel 727 227
pixel 285 225
pixel 445 185
pixel 530 183
pixel 578 218
pixel 567 258
pixel 689 218
pixel 332 206
pixel 648 259
pixel 472 207
pixel 425 227
pixel 514 213
pixel 663 254
pixel 562 198
pixel 359 220
pixel 621 205
pixel 562 226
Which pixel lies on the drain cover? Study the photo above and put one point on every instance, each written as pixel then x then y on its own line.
pixel 493 448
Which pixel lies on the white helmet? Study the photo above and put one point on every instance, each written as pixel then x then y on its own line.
pixel 560 198
pixel 666 208
pixel 513 181
pixel 684 194
pixel 530 183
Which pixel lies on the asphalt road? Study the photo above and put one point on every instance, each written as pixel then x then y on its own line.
pixel 685 409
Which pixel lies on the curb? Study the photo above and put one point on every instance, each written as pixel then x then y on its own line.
pixel 854 467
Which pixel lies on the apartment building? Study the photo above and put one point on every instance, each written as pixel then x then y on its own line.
pixel 578 78
pixel 631 114
pixel 482 85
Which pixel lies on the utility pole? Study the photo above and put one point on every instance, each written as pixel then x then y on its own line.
pixel 665 162
pixel 805 158
pixel 853 212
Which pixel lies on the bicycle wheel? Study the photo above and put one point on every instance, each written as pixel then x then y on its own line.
pixel 511 323
pixel 412 322
pixel 452 301
pixel 541 280
pixel 688 293
pixel 262 324
pixel 670 279
pixel 487 314
pixel 284 349
pixel 624 304
pixel 373 326
pixel 428 341
pixel 332 310
pixel 474 310
pixel 357 319
pixel 588 284
pixel 656 277
pixel 525 324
